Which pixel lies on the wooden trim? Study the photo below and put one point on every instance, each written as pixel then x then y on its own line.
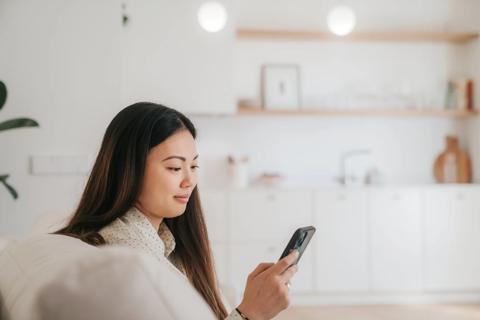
pixel 367 112
pixel 357 36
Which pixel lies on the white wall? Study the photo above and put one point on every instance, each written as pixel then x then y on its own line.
pixel 336 74
pixel 57 61
pixel 307 149
pixel 372 15
pixel 72 66
pixel 168 58
pixel 349 75
pixel 61 62
pixel 470 18
pixel 331 72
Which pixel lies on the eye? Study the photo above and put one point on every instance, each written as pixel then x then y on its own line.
pixel 174 169
pixel 195 167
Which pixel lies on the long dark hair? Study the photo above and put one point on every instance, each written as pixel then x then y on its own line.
pixel 114 186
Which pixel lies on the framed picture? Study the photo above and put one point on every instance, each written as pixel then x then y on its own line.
pixel 280 84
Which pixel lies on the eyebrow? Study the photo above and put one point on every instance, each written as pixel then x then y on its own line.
pixel 178 157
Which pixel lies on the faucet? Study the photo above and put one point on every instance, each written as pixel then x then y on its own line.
pixel 344 179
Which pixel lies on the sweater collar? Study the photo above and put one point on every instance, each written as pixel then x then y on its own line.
pixel 164 235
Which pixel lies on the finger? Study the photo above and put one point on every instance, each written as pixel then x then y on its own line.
pixel 260 268
pixel 288 274
pixel 284 263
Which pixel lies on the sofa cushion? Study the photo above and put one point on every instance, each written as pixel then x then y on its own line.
pixel 28 264
pixel 58 277
pixel 3 243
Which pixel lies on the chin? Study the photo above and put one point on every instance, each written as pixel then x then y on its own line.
pixel 178 214
pixel 175 214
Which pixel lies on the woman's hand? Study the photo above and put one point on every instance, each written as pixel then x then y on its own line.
pixel 266 293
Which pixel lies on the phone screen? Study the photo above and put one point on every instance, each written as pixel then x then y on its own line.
pixel 299 241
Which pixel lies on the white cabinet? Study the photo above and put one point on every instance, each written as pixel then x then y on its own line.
pixel 214 205
pixel 369 241
pixel 260 224
pixel 244 258
pixel 396 239
pixel 341 240
pixel 220 258
pixel 268 215
pixel 452 238
pixel 188 69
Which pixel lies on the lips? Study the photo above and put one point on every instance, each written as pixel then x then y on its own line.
pixel 182 199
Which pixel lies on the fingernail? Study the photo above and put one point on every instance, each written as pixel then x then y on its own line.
pixel 295 253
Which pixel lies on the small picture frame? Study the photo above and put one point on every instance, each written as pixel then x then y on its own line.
pixel 280 84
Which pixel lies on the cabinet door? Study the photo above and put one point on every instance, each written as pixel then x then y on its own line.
pixel 341 240
pixel 243 258
pixel 214 205
pixel 262 215
pixel 396 239
pixel 452 238
pixel 219 252
pixel 168 58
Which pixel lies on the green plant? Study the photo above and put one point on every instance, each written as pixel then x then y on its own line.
pixel 11 124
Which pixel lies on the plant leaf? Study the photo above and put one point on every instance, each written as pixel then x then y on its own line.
pixel 3 94
pixel 18 123
pixel 13 192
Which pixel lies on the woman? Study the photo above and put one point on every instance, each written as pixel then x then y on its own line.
pixel 142 193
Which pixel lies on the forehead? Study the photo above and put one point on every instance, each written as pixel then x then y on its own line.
pixel 180 143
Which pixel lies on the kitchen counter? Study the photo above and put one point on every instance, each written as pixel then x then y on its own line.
pixel 339 187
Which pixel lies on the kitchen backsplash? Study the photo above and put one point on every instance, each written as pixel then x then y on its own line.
pixel 307 150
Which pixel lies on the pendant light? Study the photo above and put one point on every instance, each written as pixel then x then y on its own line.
pixel 341 20
pixel 212 16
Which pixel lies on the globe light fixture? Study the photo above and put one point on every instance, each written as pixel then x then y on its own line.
pixel 212 16
pixel 341 20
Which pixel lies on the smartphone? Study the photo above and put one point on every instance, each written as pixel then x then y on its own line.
pixel 299 241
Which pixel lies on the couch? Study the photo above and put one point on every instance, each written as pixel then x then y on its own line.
pixel 45 276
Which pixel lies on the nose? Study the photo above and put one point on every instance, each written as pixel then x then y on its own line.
pixel 185 183
pixel 188 180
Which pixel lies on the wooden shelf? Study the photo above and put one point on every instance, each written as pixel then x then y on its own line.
pixel 357 36
pixel 367 112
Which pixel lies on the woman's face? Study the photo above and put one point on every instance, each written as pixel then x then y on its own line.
pixel 170 177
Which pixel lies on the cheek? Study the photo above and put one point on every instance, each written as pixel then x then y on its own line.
pixel 160 182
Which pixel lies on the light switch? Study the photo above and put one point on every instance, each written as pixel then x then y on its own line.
pixel 60 165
